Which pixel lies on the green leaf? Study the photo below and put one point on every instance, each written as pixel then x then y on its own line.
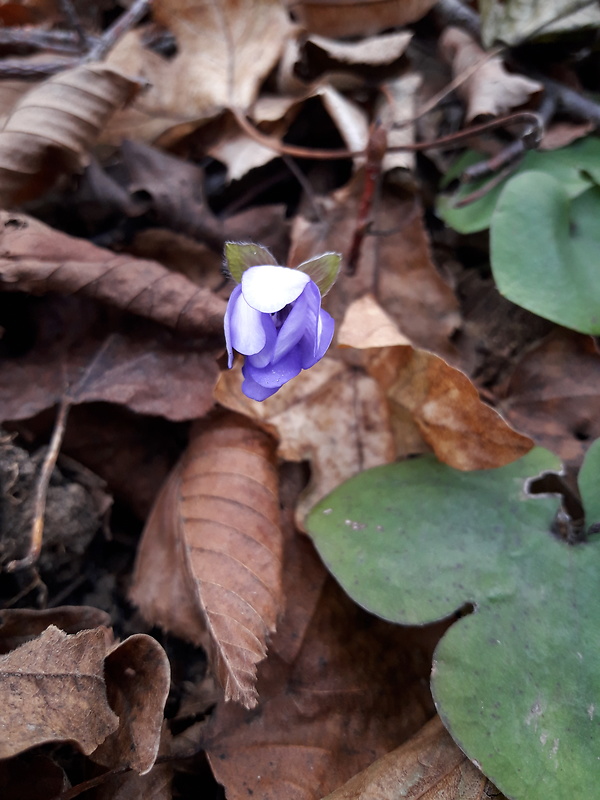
pixel 545 250
pixel 576 167
pixel 240 256
pixel 323 270
pixel 589 484
pixel 517 681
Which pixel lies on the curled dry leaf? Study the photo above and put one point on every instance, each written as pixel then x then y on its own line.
pixel 52 689
pixel 490 89
pixel 137 675
pixel 209 565
pixel 38 259
pixel 427 767
pixel 357 17
pixel 52 127
pixel 440 400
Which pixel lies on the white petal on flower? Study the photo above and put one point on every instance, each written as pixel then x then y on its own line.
pixel 269 289
pixel 247 332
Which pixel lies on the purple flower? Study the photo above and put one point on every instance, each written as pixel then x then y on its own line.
pixel 274 318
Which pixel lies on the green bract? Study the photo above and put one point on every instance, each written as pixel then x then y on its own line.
pixel 517 681
pixel 240 256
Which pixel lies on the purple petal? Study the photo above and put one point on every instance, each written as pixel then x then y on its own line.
pixel 314 348
pixel 274 375
pixel 227 322
pixel 246 326
pixel 294 327
pixel 269 289
pixel 254 390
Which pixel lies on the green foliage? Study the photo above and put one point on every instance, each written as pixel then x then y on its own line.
pixel 545 250
pixel 516 681
pixel 576 167
pixel 544 233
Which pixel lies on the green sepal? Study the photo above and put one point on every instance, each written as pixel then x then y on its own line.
pixel 240 256
pixel 323 270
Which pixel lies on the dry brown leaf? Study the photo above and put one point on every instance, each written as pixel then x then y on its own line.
pixel 395 264
pixel 209 564
pixel 440 400
pixel 427 767
pixel 52 689
pixel 38 259
pixel 225 49
pixel 20 625
pixel 85 362
pixel 339 18
pixel 553 395
pixel 137 675
pixel 52 127
pixel 334 695
pixel 333 415
pixel 490 90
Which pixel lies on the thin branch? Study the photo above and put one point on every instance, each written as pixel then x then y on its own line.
pixel 41 490
pixel 119 28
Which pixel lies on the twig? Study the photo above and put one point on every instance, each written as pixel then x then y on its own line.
pixel 74 22
pixel 533 133
pixel 41 490
pixel 513 152
pixel 57 41
pixel 99 47
pixel 119 28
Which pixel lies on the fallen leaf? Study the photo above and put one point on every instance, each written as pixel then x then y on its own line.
pixel 209 565
pixel 427 767
pixel 333 415
pixel 52 127
pixel 445 406
pixel 20 625
pixel 38 259
pixel 53 689
pixel 224 52
pixel 353 691
pixel 137 676
pixel 394 263
pixel 490 90
pixel 553 395
pixel 357 17
pixel 83 365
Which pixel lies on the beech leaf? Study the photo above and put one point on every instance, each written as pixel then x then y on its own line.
pixel 38 259
pixel 209 565
pixel 53 126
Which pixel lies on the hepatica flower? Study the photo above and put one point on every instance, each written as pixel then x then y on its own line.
pixel 274 318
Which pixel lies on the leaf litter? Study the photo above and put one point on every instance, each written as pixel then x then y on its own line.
pixel 193 637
